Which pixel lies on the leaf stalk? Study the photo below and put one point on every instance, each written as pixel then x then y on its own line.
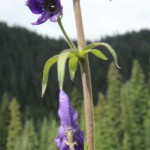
pixel 70 43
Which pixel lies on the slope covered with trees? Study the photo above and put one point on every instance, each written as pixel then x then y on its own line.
pixel 122 117
pixel 122 113
pixel 23 54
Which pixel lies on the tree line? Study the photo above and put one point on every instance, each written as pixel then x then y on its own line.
pixel 23 54
pixel 121 97
pixel 122 117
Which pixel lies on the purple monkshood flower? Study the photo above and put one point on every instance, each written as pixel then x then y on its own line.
pixel 69 134
pixel 49 9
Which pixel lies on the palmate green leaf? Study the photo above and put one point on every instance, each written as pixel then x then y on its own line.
pixel 61 65
pixel 72 52
pixel 49 63
pixel 73 63
pixel 111 50
pixel 95 52
pixel 90 46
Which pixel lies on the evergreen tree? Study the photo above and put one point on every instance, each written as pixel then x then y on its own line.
pixel 100 107
pixel 147 117
pixel 76 100
pixel 52 133
pixel 21 63
pixel 15 126
pixel 100 121
pixel 137 96
pixel 134 99
pixel 44 135
pixel 4 121
pixel 126 119
pixel 147 125
pixel 112 120
pixel 29 139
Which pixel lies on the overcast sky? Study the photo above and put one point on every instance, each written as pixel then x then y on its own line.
pixel 100 17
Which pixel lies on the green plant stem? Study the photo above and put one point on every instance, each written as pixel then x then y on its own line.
pixel 70 43
pixel 86 78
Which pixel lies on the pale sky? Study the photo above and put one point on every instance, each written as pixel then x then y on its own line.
pixel 100 17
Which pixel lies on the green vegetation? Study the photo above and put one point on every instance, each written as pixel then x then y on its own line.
pixel 121 97
pixel 15 125
pixel 121 118
pixel 4 120
pixel 29 139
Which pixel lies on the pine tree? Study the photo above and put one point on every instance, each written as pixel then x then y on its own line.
pixel 76 100
pixel 48 133
pixel 44 130
pixel 134 98
pixel 147 126
pixel 100 121
pixel 138 100
pixel 125 117
pixel 4 120
pixel 52 133
pixel 29 139
pixel 147 117
pixel 112 121
pixel 126 144
pixel 15 126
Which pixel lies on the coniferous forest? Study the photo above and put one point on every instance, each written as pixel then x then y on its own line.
pixel 121 97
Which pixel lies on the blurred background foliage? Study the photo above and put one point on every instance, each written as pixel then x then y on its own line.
pixel 121 97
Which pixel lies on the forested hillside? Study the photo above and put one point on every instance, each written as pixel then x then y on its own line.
pixel 121 97
pixel 122 117
pixel 23 54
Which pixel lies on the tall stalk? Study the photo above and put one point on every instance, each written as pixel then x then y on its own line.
pixel 86 78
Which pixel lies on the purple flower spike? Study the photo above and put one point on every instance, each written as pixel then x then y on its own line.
pixel 49 9
pixel 70 137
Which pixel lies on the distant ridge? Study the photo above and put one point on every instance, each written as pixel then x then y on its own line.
pixel 23 54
